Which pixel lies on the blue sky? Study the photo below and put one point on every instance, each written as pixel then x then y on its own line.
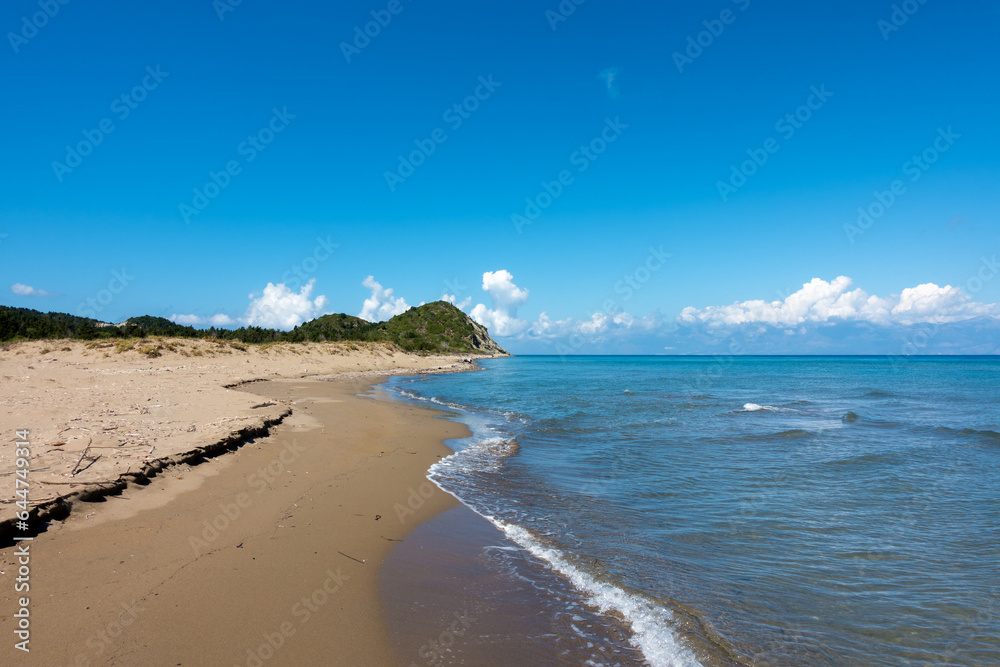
pixel 645 110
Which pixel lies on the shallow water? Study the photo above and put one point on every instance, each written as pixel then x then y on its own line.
pixel 758 510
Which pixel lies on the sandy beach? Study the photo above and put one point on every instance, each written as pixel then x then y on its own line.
pixel 263 549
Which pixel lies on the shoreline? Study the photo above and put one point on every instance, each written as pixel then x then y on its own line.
pixel 459 586
pixel 214 562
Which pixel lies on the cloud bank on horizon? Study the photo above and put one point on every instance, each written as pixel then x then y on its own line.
pixel 821 317
pixel 832 316
pixel 820 301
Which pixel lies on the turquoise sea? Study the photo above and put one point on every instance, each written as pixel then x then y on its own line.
pixel 739 510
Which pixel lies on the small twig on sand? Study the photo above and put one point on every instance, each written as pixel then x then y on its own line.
pixel 389 539
pixel 92 462
pixel 86 449
pixel 352 558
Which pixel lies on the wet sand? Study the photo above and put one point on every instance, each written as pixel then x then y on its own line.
pixel 268 555
pixel 449 601
pixel 458 592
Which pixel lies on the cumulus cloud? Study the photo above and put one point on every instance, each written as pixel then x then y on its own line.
pixel 498 321
pixel 501 319
pixel 501 288
pixel 930 303
pixel 381 305
pixel 21 289
pixel 820 301
pixel 277 307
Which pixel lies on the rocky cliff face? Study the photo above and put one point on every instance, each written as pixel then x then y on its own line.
pixel 483 343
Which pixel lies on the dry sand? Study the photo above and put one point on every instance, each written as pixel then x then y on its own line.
pixel 267 555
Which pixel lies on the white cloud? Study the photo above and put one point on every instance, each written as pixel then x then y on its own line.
pixel 546 327
pixel 453 300
pixel 501 319
pixel 381 305
pixel 277 307
pixel 498 321
pixel 819 301
pixel 600 325
pixel 597 323
pixel 930 303
pixel 27 290
pixel 503 291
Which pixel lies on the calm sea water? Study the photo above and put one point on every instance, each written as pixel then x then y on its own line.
pixel 778 511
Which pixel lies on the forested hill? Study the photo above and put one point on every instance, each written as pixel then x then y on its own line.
pixel 433 327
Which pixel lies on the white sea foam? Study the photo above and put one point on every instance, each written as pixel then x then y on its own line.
pixel 406 393
pixel 650 623
pixel 753 407
pixel 484 454
pixel 509 415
